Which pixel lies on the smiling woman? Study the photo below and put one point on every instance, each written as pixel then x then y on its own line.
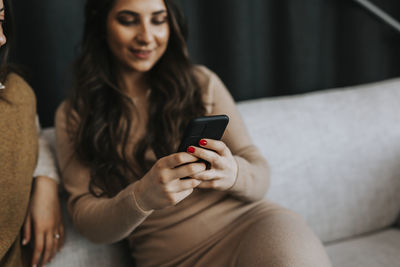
pixel 117 137
pixel 137 38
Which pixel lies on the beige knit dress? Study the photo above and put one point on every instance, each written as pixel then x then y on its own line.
pixel 18 156
pixel 209 228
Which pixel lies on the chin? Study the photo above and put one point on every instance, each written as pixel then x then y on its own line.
pixel 141 67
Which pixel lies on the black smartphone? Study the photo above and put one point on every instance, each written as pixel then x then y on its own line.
pixel 210 127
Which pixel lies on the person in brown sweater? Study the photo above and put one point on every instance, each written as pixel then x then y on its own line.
pixel 117 135
pixel 29 209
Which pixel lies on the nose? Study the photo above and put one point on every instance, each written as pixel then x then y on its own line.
pixel 144 35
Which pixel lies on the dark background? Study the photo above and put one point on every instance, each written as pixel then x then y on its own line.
pixel 260 48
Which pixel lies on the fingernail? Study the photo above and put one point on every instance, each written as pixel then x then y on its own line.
pixel 190 149
pixel 34 265
pixel 203 142
pixel 24 241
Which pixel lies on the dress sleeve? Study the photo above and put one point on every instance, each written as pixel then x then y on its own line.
pixel 101 220
pixel 46 165
pixel 252 179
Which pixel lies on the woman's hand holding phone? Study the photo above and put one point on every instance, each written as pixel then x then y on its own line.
pixel 223 169
pixel 162 187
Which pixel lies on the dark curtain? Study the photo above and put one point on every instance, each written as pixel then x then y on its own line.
pixel 269 48
pixel 260 48
pixel 48 32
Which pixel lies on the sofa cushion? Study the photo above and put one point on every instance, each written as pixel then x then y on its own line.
pixel 378 249
pixel 77 251
pixel 334 155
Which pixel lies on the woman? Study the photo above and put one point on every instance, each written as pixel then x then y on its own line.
pixel 117 137
pixel 30 206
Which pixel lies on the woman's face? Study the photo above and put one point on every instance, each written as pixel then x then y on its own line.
pixel 2 36
pixel 138 33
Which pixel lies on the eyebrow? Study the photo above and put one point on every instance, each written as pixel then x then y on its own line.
pixel 135 14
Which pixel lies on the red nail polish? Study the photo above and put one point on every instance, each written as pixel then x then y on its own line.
pixel 203 142
pixel 190 149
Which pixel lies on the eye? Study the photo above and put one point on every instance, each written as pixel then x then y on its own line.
pixel 159 20
pixel 124 20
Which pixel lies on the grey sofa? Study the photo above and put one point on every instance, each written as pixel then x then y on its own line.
pixel 335 159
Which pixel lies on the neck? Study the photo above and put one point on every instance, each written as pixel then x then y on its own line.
pixel 134 83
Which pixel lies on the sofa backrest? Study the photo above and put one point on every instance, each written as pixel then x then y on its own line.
pixel 334 155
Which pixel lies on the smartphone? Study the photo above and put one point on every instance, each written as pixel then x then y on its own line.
pixel 210 127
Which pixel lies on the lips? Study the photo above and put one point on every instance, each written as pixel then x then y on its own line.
pixel 141 53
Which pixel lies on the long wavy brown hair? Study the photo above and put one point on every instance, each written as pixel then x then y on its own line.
pixel 100 115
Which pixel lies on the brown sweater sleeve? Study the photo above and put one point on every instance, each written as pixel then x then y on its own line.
pixel 101 220
pixel 252 180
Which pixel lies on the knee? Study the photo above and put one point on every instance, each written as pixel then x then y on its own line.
pixel 281 238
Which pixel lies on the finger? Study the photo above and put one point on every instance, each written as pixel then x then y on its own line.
pixel 38 249
pixel 27 230
pixel 208 155
pixel 182 195
pixel 211 184
pixel 48 248
pixel 179 185
pixel 61 241
pixel 178 159
pixel 188 170
pixel 166 168
pixel 216 145
pixel 55 244
pixel 206 175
